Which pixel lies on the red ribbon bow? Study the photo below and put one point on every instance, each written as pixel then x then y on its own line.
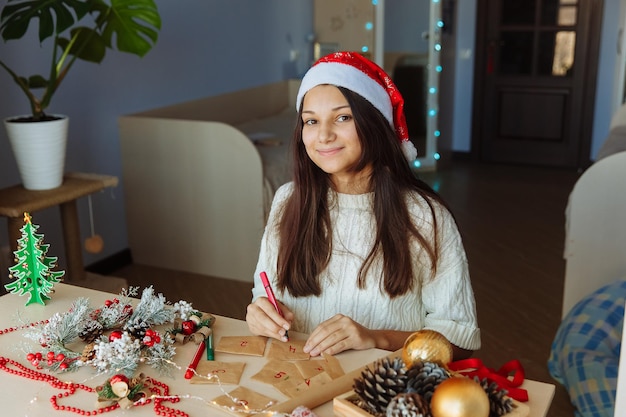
pixel 474 367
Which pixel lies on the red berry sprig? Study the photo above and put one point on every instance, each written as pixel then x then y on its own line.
pixel 51 359
pixel 151 338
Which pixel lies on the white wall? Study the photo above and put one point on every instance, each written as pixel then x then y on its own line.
pixel 606 82
pixel 405 22
pixel 464 76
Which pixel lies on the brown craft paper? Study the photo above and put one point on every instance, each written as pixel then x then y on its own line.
pixel 274 372
pixel 225 372
pixel 304 385
pixel 327 363
pixel 325 393
pixel 243 400
pixel 242 345
pixel 288 351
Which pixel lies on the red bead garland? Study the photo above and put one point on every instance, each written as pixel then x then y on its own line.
pixel 159 389
pixel 69 388
pixel 25 326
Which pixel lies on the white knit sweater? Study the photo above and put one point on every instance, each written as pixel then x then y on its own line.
pixel 446 302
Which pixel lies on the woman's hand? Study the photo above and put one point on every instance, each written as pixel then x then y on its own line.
pixel 341 333
pixel 264 320
pixel 337 334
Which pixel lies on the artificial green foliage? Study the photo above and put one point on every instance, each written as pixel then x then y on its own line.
pixel 79 29
pixel 33 269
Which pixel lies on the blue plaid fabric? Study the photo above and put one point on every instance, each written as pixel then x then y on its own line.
pixel 584 356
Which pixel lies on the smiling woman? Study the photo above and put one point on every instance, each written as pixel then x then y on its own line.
pixel 356 216
pixel 331 140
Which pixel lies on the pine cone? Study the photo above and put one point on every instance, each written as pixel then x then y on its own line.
pixel 137 329
pixel 91 331
pixel 408 404
pixel 88 353
pixel 376 387
pixel 499 403
pixel 426 378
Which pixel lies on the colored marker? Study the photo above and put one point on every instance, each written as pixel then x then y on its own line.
pixel 191 369
pixel 270 296
pixel 210 353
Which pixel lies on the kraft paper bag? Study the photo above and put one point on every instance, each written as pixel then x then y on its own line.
pixel 242 345
pixel 244 400
pixel 216 372
pixel 275 371
pixel 288 351
pixel 327 363
pixel 304 385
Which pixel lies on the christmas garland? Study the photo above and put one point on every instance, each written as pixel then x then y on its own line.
pixel 118 337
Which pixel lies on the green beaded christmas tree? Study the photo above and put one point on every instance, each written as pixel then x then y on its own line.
pixel 33 269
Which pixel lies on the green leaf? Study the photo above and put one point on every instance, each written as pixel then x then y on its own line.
pixel 135 25
pixel 88 45
pixel 46 25
pixel 16 16
pixel 37 81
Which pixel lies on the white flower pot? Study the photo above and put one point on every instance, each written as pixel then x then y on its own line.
pixel 39 150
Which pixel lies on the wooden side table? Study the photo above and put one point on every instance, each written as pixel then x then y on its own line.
pixel 16 200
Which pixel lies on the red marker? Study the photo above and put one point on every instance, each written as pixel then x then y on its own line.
pixel 270 296
pixel 191 369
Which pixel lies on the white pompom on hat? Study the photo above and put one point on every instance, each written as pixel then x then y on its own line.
pixel 357 73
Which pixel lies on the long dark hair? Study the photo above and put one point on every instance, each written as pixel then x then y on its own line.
pixel 304 225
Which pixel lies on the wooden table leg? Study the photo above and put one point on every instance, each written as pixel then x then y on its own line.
pixel 14 224
pixel 71 236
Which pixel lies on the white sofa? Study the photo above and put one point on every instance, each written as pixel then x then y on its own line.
pixel 616 140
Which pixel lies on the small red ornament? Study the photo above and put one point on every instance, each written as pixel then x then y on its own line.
pixel 188 327
pixel 115 334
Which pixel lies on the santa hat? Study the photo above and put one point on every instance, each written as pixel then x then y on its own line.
pixel 357 73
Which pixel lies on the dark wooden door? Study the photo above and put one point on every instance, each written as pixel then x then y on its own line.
pixel 536 66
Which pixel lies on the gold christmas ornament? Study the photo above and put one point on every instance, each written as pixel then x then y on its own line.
pixel 94 244
pixel 459 397
pixel 426 346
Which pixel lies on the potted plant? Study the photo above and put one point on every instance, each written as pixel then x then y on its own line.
pixel 78 29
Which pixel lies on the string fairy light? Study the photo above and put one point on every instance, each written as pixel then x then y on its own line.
pixel 428 161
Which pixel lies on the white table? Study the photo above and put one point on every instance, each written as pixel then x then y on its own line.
pixel 24 397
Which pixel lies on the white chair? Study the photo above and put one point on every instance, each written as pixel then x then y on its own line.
pixel 595 241
pixel 595 230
